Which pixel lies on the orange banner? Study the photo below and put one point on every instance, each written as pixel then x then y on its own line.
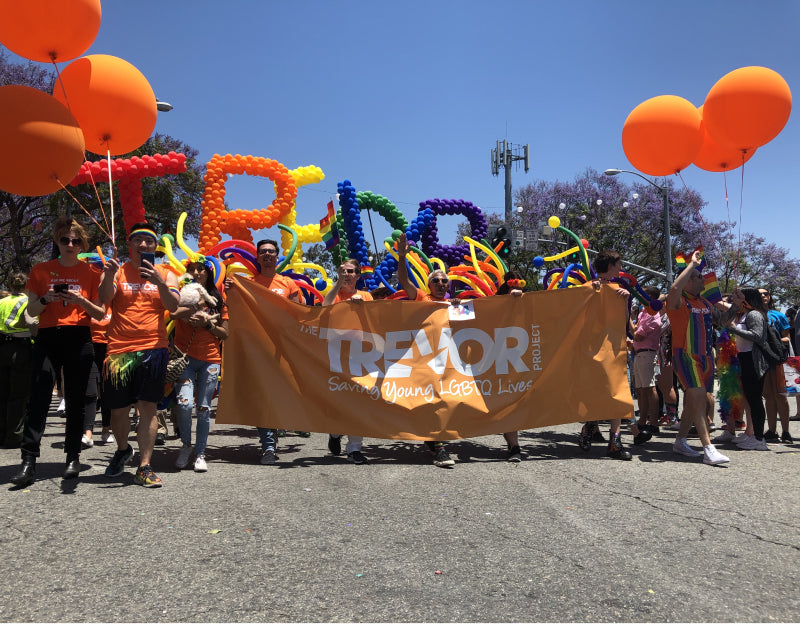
pixel 412 370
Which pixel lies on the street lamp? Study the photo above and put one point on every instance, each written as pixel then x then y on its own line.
pixel 163 107
pixel 664 192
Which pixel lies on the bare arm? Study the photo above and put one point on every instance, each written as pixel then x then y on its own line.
pixel 676 290
pixel 107 281
pixel 402 270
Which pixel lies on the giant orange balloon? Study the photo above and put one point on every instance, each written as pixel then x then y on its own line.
pixel 714 157
pixel 662 136
pixel 40 142
pixel 49 30
pixel 112 101
pixel 747 107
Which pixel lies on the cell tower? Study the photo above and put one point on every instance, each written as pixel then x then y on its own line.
pixel 503 156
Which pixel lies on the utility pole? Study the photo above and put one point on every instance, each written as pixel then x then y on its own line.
pixel 504 155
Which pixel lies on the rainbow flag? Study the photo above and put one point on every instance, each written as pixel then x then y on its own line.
pixel 711 288
pixel 366 270
pixel 328 229
pixel 682 259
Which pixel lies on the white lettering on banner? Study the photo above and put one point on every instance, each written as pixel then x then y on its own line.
pixel 336 384
pixel 366 350
pixel 536 348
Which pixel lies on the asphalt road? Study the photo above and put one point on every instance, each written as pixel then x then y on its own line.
pixel 562 536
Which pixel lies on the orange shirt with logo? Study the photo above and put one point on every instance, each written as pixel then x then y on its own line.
pixel 340 296
pixel 204 345
pixel 279 284
pixel 79 278
pixel 137 313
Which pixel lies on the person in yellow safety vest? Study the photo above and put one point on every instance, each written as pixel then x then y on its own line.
pixel 15 361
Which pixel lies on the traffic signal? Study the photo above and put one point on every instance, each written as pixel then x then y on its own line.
pixel 501 236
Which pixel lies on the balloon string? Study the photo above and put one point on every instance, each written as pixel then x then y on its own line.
pixel 699 216
pixel 369 216
pixel 91 177
pixel 111 202
pixel 739 225
pixel 100 227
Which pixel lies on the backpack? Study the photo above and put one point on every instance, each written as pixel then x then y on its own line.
pixel 775 350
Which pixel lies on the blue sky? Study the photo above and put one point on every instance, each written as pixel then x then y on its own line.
pixel 406 99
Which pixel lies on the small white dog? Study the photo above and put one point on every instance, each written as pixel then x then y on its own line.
pixel 192 293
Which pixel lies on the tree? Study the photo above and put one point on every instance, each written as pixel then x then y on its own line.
pixel 26 222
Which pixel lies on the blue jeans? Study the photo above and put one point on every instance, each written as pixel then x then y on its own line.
pixel 204 376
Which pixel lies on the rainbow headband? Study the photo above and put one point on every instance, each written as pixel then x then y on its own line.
pixel 145 232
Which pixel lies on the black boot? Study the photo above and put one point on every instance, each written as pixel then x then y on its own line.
pixel 73 468
pixel 616 450
pixel 26 474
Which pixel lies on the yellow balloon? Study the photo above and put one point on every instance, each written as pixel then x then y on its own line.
pixel 554 222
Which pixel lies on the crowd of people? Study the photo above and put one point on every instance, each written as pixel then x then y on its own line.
pixel 101 337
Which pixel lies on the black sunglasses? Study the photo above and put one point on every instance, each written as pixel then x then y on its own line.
pixel 66 241
pixel 439 280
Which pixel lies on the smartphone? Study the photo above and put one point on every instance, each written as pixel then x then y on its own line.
pixel 149 257
pixel 60 288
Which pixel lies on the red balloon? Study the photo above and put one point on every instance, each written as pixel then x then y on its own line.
pixel 714 157
pixel 40 142
pixel 49 30
pixel 747 108
pixel 662 136
pixel 112 101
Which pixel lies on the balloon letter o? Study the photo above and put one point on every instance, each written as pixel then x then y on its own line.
pixel 40 142
pixel 747 108
pixel 112 101
pixel 49 30
pixel 662 135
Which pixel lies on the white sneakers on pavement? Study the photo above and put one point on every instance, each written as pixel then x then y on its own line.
pixel 751 443
pixel 681 446
pixel 712 456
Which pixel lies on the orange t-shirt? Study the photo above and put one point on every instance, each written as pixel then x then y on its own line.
pixel 137 313
pixel 204 346
pixel 421 296
pixel 100 328
pixel 280 285
pixel 340 296
pixel 79 278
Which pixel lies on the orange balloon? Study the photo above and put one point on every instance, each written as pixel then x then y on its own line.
pixel 662 136
pixel 112 101
pixel 40 142
pixel 714 157
pixel 49 30
pixel 747 107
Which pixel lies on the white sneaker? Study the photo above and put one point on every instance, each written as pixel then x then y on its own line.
pixel 107 437
pixel 753 444
pixel 200 464
pixel 725 436
pixel 712 456
pixel 86 442
pixel 741 437
pixel 183 456
pixel 682 447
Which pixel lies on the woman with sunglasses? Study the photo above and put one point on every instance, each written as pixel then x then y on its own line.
pixel 64 294
pixel 199 332
pixel 345 290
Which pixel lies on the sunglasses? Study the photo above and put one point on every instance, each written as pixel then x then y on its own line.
pixel 349 271
pixel 268 252
pixel 66 241
pixel 439 280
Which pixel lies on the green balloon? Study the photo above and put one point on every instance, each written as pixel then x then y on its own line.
pixel 396 234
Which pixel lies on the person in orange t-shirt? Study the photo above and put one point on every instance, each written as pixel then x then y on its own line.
pixel 63 293
pixel 438 282
pixel 136 365
pixel 199 332
pixel 345 290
